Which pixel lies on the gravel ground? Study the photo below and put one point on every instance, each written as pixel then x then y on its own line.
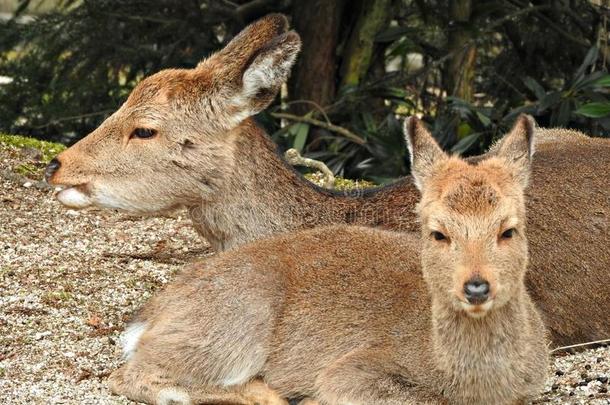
pixel 69 280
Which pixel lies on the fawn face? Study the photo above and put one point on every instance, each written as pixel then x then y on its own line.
pixel 474 250
pixel 171 135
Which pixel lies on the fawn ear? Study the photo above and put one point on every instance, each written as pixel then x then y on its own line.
pixel 423 150
pixel 517 148
pixel 256 63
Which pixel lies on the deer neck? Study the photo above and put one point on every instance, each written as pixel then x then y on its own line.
pixel 261 195
pixel 502 353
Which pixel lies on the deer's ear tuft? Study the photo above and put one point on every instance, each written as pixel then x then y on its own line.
pixel 423 151
pixel 516 148
pixel 270 68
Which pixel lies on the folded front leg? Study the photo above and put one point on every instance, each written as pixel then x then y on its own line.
pixel 368 377
pixel 146 383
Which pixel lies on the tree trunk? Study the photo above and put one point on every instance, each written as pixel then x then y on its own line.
pixel 461 69
pixel 373 17
pixel 315 74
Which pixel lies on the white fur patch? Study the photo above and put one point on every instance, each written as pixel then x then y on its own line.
pixel 173 396
pixel 477 311
pixel 130 338
pixel 74 198
pixel 240 377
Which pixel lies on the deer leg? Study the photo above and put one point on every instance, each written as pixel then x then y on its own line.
pixel 369 377
pixel 144 383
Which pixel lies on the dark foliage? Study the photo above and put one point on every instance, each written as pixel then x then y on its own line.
pixel 482 63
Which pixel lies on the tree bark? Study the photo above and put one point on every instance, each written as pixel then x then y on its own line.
pixel 315 74
pixel 461 66
pixel 373 17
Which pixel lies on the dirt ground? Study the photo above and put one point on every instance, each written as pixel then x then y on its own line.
pixel 69 281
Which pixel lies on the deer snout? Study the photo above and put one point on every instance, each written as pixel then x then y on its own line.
pixel 476 291
pixel 51 168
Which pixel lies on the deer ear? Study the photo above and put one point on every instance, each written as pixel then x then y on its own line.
pixel 251 39
pixel 517 148
pixel 270 67
pixel 423 150
pixel 253 66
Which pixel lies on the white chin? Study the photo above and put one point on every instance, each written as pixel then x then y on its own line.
pixel 74 198
pixel 477 311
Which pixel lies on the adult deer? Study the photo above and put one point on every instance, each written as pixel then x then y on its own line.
pixel 184 138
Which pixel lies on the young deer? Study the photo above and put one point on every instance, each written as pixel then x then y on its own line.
pixel 183 139
pixel 349 305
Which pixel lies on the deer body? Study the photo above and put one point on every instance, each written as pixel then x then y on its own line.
pixel 206 155
pixel 262 195
pixel 364 322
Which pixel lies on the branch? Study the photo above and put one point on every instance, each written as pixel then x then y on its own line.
pixel 331 127
pixel 293 157
pixel 596 342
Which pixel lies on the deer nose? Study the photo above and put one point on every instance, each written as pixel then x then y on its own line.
pixel 51 168
pixel 476 291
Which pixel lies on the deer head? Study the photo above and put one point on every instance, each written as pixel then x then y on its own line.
pixel 474 250
pixel 172 135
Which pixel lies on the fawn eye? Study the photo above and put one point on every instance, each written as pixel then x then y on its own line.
pixel 509 233
pixel 143 133
pixel 438 236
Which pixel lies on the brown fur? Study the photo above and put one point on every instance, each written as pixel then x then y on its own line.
pixel 237 189
pixel 343 315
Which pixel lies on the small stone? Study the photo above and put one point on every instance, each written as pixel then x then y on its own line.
pixel 559 373
pixel 40 335
pixel 27 184
pixel 554 387
pixel 587 367
pixel 602 379
pixel 603 390
pixel 72 213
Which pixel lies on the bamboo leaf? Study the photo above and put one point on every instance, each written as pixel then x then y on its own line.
pixel 594 110
pixel 301 130
pixel 465 143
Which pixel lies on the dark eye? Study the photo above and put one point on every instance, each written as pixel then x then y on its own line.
pixel 143 133
pixel 438 236
pixel 507 234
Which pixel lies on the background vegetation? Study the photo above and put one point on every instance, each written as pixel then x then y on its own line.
pixel 467 66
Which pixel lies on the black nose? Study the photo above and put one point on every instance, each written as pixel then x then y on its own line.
pixel 52 167
pixel 476 290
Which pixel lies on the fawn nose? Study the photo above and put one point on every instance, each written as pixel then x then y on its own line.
pixel 51 168
pixel 476 291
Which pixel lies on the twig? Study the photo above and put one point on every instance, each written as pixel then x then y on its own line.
pixel 331 127
pixel 595 342
pixel 293 157
pixel 313 103
pixel 72 118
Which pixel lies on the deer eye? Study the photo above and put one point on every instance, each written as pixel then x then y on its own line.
pixel 143 133
pixel 509 233
pixel 438 236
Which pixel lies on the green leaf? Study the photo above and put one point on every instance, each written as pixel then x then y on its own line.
pixel 603 82
pixel 301 130
pixel 535 87
pixel 594 110
pixel 465 143
pixel 589 60
pixel 484 119
pixel 549 100
pixel 369 121
pixel 392 34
